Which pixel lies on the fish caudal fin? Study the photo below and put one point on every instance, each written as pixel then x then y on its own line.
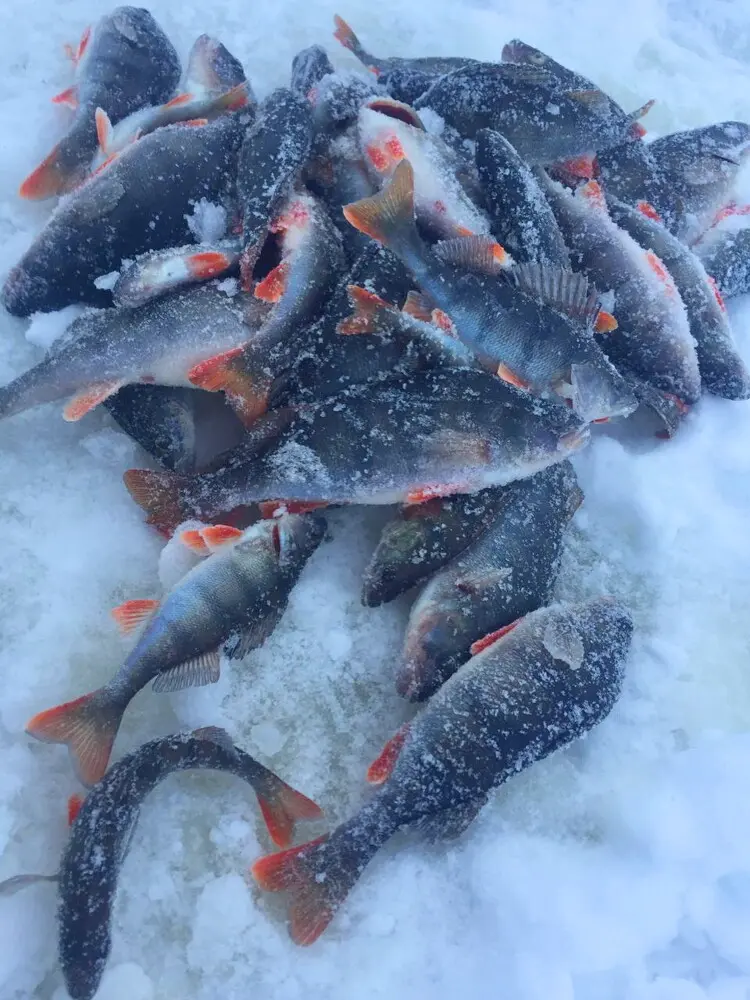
pixel 46 181
pixel 227 373
pixel 88 726
pixel 159 495
pixel 349 40
pixel 283 806
pixel 388 216
pixel 368 312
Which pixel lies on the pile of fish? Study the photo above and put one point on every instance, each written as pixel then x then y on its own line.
pixel 419 285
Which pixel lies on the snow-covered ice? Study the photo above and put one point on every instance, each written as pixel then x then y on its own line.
pixel 619 870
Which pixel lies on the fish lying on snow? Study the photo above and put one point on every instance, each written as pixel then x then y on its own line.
pixel 411 438
pixel 523 696
pixel 123 64
pixel 501 320
pixel 508 571
pixel 103 827
pixel 142 201
pixel 239 593
pixel 160 342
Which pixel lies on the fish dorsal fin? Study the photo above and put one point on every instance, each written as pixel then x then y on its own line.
pixel 473 253
pixel 591 98
pixel 418 306
pixel 562 641
pixel 202 669
pixel 217 735
pixel 562 290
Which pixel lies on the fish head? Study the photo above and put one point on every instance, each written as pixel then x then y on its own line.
pixel 432 651
pixel 516 51
pixel 212 69
pixel 581 634
pixel 393 562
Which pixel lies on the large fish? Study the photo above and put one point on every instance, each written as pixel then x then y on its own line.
pixel 508 571
pixel 522 219
pixel 410 438
pixel 555 676
pixel 440 201
pixel 103 827
pixel 124 63
pixel 502 320
pixel 183 429
pixel 544 121
pixel 422 538
pixel 236 596
pixel 311 261
pixel 699 167
pixel 721 368
pixel 142 201
pixel 653 338
pixel 724 250
pixel 275 149
pixel 162 342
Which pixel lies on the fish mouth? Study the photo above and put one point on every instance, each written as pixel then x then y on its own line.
pixel 574 440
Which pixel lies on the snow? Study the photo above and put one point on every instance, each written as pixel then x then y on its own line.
pixel 617 871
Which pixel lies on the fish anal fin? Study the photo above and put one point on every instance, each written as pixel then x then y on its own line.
pixel 90 397
pixel 68 97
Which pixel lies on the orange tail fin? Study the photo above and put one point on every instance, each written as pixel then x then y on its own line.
pixel 159 495
pixel 282 806
pixel 46 181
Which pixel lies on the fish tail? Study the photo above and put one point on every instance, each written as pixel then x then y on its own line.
pixel 228 373
pixel 47 180
pixel 282 806
pixel 388 216
pixel 319 875
pixel 87 725
pixel 349 40
pixel 160 495
pixel 368 314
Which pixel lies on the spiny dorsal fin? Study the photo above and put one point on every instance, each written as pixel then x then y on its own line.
pixel 562 290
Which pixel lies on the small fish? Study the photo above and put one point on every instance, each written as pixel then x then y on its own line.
pixel 527 694
pixel 188 109
pixel 308 68
pixel 104 825
pixel 440 202
pixel 422 538
pixel 142 201
pixel 508 571
pixel 501 321
pixel 544 121
pixel 160 343
pixel 185 430
pixel 724 250
pixel 311 261
pixel 521 218
pixel 722 370
pixel 160 271
pixel 236 597
pixel 275 149
pixel 124 63
pixel 405 440
pixel 652 339
pixel 699 167
pixel 434 65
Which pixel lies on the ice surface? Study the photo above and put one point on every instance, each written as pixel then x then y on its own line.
pixel 617 871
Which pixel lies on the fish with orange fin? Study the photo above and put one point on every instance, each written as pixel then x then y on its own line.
pixel 722 370
pixel 232 600
pixel 507 571
pixel 160 271
pixel 390 132
pixel 653 339
pixel 311 261
pixel 103 826
pixel 127 63
pixel 403 440
pixel 274 151
pixel 144 200
pixel 161 342
pixel 724 250
pixel 422 538
pixel 522 696
pixel 501 320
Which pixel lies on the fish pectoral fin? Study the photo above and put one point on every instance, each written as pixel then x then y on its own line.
pixel 74 807
pixel 216 536
pixel 85 400
pixel 464 446
pixel 380 770
pixel 473 253
pixel 103 130
pixel 482 580
pixel 492 637
pixel 202 669
pixel 509 376
pixel 593 97
pixel 10 886
pixel 273 286
pixel 192 540
pixel 68 97
pixel 562 642
pixel 178 101
pixel 418 305
pixel 252 636
pixel 132 614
